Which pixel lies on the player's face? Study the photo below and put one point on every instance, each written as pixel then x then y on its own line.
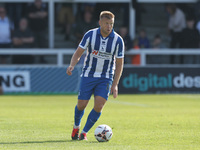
pixel 106 26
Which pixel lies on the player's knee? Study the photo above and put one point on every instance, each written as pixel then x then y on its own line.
pixel 98 108
pixel 81 105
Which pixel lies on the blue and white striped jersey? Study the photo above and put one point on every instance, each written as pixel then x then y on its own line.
pixel 101 53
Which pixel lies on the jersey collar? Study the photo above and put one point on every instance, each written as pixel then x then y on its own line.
pixel 110 35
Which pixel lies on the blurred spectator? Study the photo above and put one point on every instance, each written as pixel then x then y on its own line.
pixel 176 24
pixel 23 38
pixel 190 38
pixel 143 40
pixel 6 28
pixel 136 44
pixel 1 90
pixel 66 19
pixel 157 42
pixel 136 58
pixel 84 25
pixel 123 31
pixel 37 14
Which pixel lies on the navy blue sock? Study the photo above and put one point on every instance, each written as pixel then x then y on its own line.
pixel 92 118
pixel 78 116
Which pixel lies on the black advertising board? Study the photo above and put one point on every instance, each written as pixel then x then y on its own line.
pixel 160 80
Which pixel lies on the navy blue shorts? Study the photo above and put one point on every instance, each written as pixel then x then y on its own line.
pixel 97 86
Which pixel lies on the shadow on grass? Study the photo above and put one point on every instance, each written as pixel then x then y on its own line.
pixel 36 142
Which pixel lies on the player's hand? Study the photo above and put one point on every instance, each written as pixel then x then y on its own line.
pixel 114 90
pixel 69 70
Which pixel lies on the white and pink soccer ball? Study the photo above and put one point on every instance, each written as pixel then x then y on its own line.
pixel 103 133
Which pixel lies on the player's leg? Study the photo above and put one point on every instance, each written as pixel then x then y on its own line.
pixel 101 94
pixel 85 93
pixel 1 90
pixel 99 103
pixel 94 115
pixel 79 111
pixel 78 114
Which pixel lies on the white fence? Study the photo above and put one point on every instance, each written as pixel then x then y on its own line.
pixel 59 53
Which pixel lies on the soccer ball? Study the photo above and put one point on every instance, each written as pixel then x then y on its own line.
pixel 103 133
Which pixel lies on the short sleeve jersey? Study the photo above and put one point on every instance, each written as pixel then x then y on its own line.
pixel 101 53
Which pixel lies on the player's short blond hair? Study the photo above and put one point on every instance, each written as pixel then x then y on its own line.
pixel 106 14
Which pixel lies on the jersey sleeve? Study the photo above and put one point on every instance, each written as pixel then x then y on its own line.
pixel 120 48
pixel 85 40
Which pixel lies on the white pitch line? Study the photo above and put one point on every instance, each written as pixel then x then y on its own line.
pixel 127 103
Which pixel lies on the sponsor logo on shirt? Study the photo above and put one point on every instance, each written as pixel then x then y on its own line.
pixel 102 55
pixel 95 52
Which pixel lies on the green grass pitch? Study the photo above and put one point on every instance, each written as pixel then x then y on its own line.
pixel 139 122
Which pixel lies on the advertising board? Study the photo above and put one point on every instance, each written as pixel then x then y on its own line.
pixel 160 80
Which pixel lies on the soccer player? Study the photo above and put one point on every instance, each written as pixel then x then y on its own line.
pixel 105 57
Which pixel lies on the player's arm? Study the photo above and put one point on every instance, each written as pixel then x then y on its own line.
pixel 75 58
pixel 118 73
